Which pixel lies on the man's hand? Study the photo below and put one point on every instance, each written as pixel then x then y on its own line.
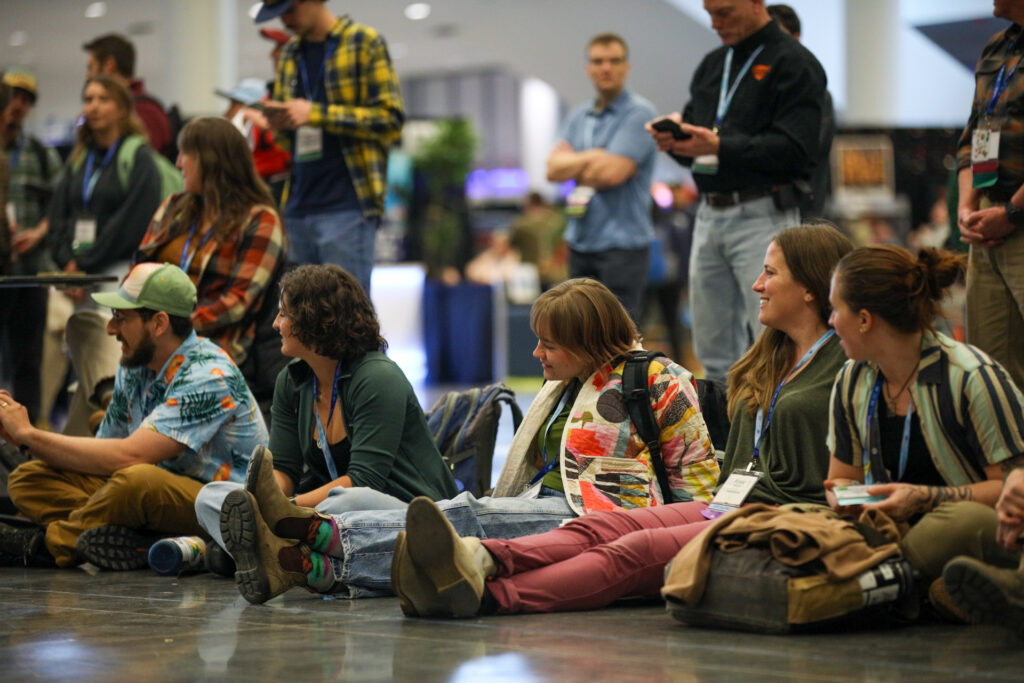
pixel 287 115
pixel 26 240
pixel 985 227
pixel 1010 509
pixel 703 140
pixel 901 500
pixel 255 117
pixel 14 419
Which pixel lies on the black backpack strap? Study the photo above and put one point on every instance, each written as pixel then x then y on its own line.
pixel 637 397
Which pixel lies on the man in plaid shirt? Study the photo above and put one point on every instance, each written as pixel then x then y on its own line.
pixel 337 96
pixel 34 170
pixel 990 213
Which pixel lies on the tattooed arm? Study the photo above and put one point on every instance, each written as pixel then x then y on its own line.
pixel 906 500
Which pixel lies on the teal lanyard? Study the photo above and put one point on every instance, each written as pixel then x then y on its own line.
pixel 904 440
pixel 550 464
pixel 321 432
pixel 725 92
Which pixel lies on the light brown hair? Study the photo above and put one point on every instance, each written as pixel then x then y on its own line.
pixel 585 318
pixel 902 289
pixel 127 122
pixel 811 252
pixel 231 187
pixel 608 39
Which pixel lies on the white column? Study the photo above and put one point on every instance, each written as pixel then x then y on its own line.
pixel 203 36
pixel 872 58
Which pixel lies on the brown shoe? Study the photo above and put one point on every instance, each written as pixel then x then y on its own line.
pixel 456 567
pixel 266 565
pixel 284 517
pixel 944 605
pixel 988 594
pixel 416 594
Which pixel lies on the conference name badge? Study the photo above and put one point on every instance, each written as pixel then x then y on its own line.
pixel 985 155
pixel 85 234
pixel 706 164
pixel 309 143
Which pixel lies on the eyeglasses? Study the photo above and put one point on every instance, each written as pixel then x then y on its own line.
pixel 120 318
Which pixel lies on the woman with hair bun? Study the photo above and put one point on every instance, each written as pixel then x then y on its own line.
pixel 930 424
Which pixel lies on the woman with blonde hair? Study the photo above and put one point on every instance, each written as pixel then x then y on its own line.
pixel 776 453
pixel 576 452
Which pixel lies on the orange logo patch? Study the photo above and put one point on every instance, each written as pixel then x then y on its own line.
pixel 760 71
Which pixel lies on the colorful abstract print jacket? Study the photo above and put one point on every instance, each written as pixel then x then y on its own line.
pixel 605 464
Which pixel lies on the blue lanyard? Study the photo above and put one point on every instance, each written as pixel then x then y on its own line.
pixel 1000 85
pixel 91 177
pixel 186 260
pixel 904 440
pixel 760 423
pixel 16 154
pixel 726 93
pixel 550 464
pixel 321 432
pixel 310 92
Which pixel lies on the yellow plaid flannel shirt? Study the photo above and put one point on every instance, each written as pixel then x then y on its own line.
pixel 364 103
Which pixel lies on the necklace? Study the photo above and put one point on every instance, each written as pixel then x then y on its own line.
pixel 891 401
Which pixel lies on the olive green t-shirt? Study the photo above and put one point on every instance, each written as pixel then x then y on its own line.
pixel 794 456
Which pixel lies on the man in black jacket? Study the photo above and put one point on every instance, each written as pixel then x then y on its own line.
pixel 751 133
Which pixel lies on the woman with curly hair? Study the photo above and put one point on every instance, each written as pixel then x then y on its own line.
pixel 345 418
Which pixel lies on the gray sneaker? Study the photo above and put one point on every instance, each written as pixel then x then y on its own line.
pixel 987 593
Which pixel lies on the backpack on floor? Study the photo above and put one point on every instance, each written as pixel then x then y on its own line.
pixel 464 426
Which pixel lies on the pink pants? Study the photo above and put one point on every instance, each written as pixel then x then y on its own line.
pixel 593 560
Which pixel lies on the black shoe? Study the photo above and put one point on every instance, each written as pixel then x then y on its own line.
pixel 118 548
pixel 24 547
pixel 218 561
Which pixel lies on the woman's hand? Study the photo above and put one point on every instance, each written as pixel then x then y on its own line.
pixel 833 502
pixel 901 500
pixel 1010 509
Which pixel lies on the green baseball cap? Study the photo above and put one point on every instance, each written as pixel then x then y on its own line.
pixel 160 287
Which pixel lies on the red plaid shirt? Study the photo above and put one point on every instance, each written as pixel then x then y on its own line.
pixel 231 275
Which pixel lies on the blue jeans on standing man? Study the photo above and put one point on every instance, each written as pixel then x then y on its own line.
pixel 345 238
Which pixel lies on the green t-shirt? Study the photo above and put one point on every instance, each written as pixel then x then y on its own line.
pixel 794 455
pixel 549 440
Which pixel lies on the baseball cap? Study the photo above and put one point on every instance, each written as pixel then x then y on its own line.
pixel 248 91
pixel 275 35
pixel 23 80
pixel 272 9
pixel 157 286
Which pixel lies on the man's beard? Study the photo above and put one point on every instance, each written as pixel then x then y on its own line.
pixel 142 355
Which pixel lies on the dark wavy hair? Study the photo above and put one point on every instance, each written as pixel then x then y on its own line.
pixel 330 313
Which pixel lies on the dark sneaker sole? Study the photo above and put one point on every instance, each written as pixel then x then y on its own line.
pixel 982 598
pixel 256 462
pixel 116 548
pixel 238 529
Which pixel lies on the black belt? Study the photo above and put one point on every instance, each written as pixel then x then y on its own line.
pixel 721 200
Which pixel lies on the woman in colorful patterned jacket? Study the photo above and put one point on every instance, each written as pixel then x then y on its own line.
pixel 575 452
pixel 776 454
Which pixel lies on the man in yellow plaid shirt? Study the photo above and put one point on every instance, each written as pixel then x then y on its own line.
pixel 337 97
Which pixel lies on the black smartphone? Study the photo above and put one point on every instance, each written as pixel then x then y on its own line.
pixel 670 126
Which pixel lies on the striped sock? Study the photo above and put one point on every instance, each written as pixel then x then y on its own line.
pixel 323 536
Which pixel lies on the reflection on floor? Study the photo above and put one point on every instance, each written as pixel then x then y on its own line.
pixel 66 624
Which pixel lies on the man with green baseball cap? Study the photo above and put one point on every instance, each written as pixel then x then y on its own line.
pixel 181 415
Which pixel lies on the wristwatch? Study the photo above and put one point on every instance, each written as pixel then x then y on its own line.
pixel 1015 215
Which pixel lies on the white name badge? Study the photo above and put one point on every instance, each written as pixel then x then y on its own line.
pixel 12 215
pixel 985 155
pixel 309 143
pixel 706 164
pixel 532 492
pixel 576 202
pixel 85 234
pixel 733 493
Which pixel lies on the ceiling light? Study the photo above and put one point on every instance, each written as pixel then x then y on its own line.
pixel 95 10
pixel 17 39
pixel 255 9
pixel 417 11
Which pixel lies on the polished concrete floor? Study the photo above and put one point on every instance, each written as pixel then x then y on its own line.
pixel 68 624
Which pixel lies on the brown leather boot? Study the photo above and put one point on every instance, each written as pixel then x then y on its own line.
pixel 987 593
pixel 285 518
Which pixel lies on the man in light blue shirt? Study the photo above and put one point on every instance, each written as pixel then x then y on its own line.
pixel 181 415
pixel 602 148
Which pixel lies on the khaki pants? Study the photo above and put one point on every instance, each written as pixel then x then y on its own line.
pixel 995 302
pixel 95 356
pixel 68 503
pixel 954 529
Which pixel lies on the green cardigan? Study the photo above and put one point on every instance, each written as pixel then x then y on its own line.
pixel 391 447
pixel 794 453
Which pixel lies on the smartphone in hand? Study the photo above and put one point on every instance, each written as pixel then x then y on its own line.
pixel 667 125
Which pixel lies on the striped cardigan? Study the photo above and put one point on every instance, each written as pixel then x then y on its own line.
pixel 971 413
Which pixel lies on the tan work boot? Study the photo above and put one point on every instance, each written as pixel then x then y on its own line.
pixel 285 518
pixel 456 567
pixel 987 593
pixel 946 607
pixel 266 565
pixel 417 596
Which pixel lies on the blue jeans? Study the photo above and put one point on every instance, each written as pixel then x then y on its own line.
pixel 368 534
pixel 344 238
pixel 727 256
